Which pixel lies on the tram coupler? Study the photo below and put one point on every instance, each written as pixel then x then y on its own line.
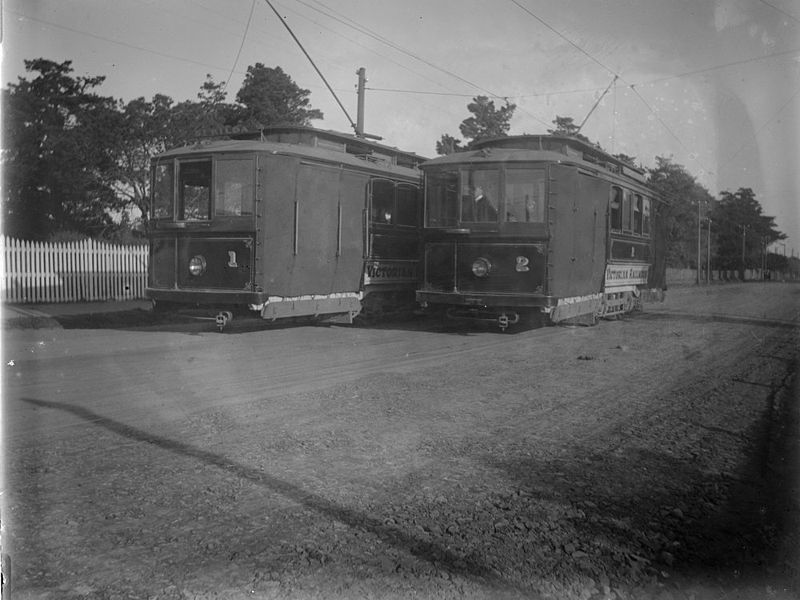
pixel 503 319
pixel 222 319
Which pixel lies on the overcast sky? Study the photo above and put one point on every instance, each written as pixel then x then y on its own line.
pixel 714 84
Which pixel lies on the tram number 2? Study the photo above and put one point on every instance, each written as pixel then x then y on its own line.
pixel 523 264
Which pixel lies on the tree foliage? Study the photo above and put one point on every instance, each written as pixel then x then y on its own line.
pixel 270 97
pixel 685 201
pixel 57 169
pixel 486 121
pixel 78 162
pixel 566 126
pixel 742 231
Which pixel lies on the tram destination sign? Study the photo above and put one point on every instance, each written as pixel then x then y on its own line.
pixel 626 274
pixel 390 271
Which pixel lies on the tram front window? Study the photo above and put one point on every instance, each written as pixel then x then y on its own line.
pixel 162 191
pixel 480 193
pixel 233 187
pixel 441 203
pixel 525 195
pixel 194 191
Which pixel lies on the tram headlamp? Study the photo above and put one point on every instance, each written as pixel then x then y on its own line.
pixel 481 267
pixel 197 265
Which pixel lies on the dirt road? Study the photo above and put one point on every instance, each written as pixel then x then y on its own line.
pixel 654 456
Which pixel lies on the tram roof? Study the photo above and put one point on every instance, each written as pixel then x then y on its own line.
pixel 549 148
pixel 308 140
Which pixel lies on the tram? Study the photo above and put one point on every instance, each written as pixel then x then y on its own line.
pixel 538 227
pixel 287 222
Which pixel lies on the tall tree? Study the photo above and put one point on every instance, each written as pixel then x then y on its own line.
pixel 566 126
pixel 270 97
pixel 56 165
pixel 486 121
pixel 743 232
pixel 143 129
pixel 678 216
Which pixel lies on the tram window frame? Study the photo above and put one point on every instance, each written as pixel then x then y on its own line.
pixel 535 177
pixel 163 197
pixel 646 208
pixel 637 213
pixel 407 204
pixel 627 211
pixel 441 198
pixel 477 212
pixel 183 166
pixel 615 205
pixel 246 192
pixel 382 210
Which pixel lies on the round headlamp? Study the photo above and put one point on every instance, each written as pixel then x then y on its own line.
pixel 197 265
pixel 481 267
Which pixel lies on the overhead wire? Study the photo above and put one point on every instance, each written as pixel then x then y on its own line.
pixel 346 21
pixel 780 10
pixel 604 66
pixel 313 64
pixel 116 42
pixel 239 52
pixel 763 126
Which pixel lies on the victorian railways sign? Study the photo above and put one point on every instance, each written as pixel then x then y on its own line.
pixel 626 274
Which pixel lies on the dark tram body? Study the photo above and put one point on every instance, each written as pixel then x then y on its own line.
pixel 296 222
pixel 531 226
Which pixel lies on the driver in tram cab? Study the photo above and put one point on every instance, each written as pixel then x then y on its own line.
pixel 480 208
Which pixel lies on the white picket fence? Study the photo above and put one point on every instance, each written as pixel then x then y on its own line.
pixel 41 272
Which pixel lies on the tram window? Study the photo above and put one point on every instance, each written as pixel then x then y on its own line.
pixel 626 211
pixel 525 195
pixel 407 204
pixel 480 191
pixel 441 203
pixel 382 210
pixel 646 216
pixel 233 187
pixel 162 191
pixel 616 208
pixel 194 189
pixel 637 214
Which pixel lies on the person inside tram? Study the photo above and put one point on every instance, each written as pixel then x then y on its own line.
pixel 479 208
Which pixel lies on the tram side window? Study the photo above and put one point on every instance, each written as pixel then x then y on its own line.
pixel 441 202
pixel 646 217
pixel 233 187
pixel 616 209
pixel 407 204
pixel 162 191
pixel 626 211
pixel 637 214
pixel 194 191
pixel 525 195
pixel 382 210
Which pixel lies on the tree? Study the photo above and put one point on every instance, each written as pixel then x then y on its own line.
pixel 448 145
pixel 56 132
pixel 144 129
pixel 486 121
pixel 742 231
pixel 630 160
pixel 270 97
pixel 566 126
pixel 678 215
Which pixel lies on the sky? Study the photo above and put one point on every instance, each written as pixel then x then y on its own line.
pixel 712 84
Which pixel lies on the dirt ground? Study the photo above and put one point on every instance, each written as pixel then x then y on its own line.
pixel 654 456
